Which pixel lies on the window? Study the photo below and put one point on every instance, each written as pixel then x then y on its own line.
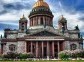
pixel 41 21
pixel 12 47
pixel 73 46
pixel 29 48
pixel 22 26
pixel 34 9
pixel 22 23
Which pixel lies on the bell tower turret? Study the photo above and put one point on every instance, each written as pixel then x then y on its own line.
pixel 62 23
pixel 23 24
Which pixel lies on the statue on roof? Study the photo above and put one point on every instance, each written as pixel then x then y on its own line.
pixel 76 27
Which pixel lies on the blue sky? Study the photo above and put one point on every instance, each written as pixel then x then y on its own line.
pixel 12 10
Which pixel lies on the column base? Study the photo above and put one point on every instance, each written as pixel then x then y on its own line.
pixel 47 57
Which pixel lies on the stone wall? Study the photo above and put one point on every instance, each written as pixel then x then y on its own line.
pixel 6 47
pixel 66 45
pixel 21 47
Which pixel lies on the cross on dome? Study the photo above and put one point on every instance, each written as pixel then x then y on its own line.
pixel 23 15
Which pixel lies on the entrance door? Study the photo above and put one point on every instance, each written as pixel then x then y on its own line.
pixel 56 53
pixel 45 52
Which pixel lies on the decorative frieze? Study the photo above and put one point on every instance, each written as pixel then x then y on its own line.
pixel 44 38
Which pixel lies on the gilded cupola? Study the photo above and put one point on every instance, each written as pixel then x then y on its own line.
pixel 41 7
pixel 40 3
pixel 40 15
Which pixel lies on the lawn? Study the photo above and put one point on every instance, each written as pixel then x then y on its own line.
pixel 46 61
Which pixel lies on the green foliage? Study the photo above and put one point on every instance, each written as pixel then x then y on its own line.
pixel 71 54
pixel 77 55
pixel 48 61
pixel 1 56
pixel 82 54
pixel 24 56
pixel 64 56
pixel 10 55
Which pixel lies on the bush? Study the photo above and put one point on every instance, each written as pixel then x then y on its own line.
pixel 71 54
pixel 25 56
pixel 10 55
pixel 64 56
pixel 82 54
pixel 1 57
pixel 22 56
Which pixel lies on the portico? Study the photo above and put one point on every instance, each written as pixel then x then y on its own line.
pixel 44 48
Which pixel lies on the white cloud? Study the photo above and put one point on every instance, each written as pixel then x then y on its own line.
pixel 72 19
pixel 9 23
pixel 14 16
pixel 1 8
pixel 10 1
pixel 8 17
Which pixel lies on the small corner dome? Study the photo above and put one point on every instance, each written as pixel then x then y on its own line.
pixel 62 19
pixel 23 18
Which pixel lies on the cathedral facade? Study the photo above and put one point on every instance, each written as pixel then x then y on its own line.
pixel 41 38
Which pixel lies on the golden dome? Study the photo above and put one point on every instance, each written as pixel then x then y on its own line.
pixel 40 3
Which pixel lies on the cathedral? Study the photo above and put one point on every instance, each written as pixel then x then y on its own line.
pixel 41 38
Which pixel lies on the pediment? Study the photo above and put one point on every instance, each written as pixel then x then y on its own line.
pixel 44 33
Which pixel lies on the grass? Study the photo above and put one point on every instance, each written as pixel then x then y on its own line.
pixel 46 61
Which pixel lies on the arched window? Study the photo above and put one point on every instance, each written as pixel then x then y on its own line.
pixel 41 21
pixel 73 46
pixel 34 9
pixel 12 47
pixel 22 23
